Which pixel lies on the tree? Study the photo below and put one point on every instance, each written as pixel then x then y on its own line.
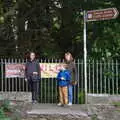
pixel 51 27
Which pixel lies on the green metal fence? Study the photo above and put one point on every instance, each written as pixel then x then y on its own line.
pixel 102 78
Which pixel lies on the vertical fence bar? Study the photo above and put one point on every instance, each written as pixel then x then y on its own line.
pixel 52 85
pixel 5 78
pixel 27 84
pixel 59 61
pixel 9 79
pixel 78 72
pixel 19 81
pixel 2 81
pixel 45 61
pixel 93 75
pixel 41 61
pixel 97 74
pixel 89 90
pixel 104 77
pixel 16 80
pixel 117 75
pixel 108 77
pixel 23 83
pixel 101 78
pixel 113 72
pixel 12 78
pixel 48 87
pixel 74 87
pixel 38 84
pixel 82 78
pixel 56 84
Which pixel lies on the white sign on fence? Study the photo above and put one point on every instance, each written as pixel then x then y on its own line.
pixel 48 70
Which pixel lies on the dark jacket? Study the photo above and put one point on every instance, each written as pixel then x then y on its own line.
pixel 73 70
pixel 30 67
pixel 67 77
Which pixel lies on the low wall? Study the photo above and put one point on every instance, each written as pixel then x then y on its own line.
pixel 92 98
pixel 17 96
pixel 102 98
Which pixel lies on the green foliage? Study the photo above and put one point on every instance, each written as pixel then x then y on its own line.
pixel 6 105
pixel 2 115
pixel 81 97
pixel 56 26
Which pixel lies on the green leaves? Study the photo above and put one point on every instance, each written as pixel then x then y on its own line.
pixel 57 26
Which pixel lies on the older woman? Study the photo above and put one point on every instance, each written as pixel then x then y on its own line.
pixel 72 68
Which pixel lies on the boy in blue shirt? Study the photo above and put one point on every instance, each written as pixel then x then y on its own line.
pixel 63 78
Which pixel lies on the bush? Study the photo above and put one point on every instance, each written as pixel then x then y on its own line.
pixel 81 97
pixel 2 114
pixel 6 106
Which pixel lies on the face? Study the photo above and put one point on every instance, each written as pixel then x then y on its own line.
pixel 68 57
pixel 32 56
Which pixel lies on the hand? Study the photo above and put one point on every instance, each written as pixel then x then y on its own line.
pixel 26 79
pixel 35 73
pixel 62 78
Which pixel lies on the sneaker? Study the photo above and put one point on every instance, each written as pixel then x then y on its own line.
pixel 34 102
pixel 59 104
pixel 69 104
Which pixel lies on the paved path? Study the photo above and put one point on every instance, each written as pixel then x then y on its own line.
pixel 52 109
pixel 76 112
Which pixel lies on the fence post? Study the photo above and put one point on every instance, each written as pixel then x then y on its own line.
pixel 2 75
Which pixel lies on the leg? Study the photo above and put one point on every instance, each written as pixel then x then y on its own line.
pixel 38 88
pixel 65 94
pixel 31 85
pixel 35 91
pixel 70 94
pixel 60 95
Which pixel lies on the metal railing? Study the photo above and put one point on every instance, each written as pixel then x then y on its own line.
pixel 102 78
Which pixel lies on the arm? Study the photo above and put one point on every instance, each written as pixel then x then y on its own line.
pixel 26 72
pixel 58 76
pixel 39 70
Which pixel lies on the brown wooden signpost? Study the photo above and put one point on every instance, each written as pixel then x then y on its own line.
pixel 95 15
pixel 103 14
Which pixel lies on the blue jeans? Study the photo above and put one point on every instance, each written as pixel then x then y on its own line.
pixel 70 93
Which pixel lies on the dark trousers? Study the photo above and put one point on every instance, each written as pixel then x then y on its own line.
pixel 34 88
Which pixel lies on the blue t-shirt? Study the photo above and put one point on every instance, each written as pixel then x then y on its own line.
pixel 67 77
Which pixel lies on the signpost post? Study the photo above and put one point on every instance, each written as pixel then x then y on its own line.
pixel 95 15
pixel 85 55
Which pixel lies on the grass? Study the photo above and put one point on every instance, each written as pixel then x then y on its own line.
pixel 117 104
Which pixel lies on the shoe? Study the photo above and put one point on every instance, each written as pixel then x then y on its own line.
pixel 34 102
pixel 69 104
pixel 59 104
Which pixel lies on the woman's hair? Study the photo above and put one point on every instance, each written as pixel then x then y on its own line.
pixel 71 57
